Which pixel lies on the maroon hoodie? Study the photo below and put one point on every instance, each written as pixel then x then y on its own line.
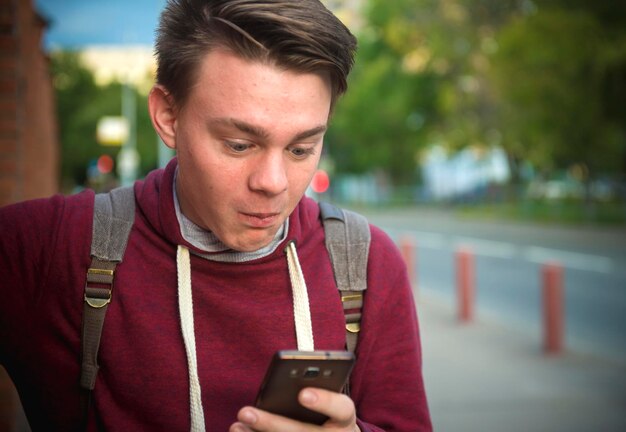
pixel 243 313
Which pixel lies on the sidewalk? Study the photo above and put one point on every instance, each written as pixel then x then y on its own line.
pixel 483 377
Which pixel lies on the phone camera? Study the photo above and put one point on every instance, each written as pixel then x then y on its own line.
pixel 311 372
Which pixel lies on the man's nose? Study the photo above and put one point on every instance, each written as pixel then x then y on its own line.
pixel 269 175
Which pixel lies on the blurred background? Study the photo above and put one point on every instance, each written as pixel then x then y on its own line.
pixel 490 128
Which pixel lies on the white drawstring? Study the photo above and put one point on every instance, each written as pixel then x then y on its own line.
pixel 185 306
pixel 301 309
pixel 301 312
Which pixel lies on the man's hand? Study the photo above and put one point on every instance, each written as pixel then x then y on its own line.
pixel 338 407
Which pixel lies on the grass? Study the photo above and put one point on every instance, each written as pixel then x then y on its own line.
pixel 549 212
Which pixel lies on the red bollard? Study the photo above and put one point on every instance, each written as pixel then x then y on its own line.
pixel 552 308
pixel 407 248
pixel 465 284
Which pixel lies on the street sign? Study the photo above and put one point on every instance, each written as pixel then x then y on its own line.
pixel 112 130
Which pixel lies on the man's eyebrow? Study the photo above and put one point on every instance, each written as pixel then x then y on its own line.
pixel 262 133
pixel 247 128
pixel 311 132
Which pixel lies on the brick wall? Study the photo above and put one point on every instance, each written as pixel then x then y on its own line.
pixel 29 152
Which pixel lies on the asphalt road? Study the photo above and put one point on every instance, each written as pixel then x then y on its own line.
pixel 509 258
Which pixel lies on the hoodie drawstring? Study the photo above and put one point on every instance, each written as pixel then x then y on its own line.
pixel 185 307
pixel 301 311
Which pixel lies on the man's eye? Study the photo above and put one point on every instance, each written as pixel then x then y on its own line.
pixel 238 147
pixel 301 152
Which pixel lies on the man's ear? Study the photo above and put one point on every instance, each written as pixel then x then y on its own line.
pixel 163 114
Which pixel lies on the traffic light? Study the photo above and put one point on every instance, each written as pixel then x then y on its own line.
pixel 320 181
pixel 105 164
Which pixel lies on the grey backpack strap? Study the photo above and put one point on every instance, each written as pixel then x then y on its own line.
pixel 113 217
pixel 348 240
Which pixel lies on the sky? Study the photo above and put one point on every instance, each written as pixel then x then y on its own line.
pixel 76 24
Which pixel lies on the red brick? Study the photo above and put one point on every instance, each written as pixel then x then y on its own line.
pixel 7 197
pixel 8 106
pixel 8 127
pixel 7 14
pixel 8 165
pixel 23 55
pixel 8 66
pixel 8 145
pixel 7 185
pixel 8 44
pixel 8 85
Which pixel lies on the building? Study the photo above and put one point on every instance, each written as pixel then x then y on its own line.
pixel 29 151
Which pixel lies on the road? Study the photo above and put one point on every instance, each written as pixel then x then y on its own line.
pixel 508 264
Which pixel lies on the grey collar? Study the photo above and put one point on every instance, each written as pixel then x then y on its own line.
pixel 214 248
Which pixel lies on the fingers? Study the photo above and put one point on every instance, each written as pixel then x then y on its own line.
pixel 247 417
pixel 338 407
pixel 239 427
pixel 253 419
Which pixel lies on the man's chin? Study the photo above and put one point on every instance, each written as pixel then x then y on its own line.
pixel 251 243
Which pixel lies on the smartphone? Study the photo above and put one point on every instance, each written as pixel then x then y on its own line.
pixel 291 371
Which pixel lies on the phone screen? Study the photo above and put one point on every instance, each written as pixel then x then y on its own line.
pixel 291 371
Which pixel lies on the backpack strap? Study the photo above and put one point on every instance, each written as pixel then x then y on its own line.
pixel 347 237
pixel 113 217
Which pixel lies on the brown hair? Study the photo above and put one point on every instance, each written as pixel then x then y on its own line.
pixel 300 35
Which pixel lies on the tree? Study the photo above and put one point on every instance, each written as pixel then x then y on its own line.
pixel 556 72
pixel 80 104
pixel 420 78
pixel 381 122
pixel 544 79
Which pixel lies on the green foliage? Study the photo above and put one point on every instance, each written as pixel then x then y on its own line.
pixel 544 79
pixel 550 72
pixel 80 104
pixel 419 79
pixel 382 121
pixel 546 212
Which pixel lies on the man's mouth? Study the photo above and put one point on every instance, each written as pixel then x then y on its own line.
pixel 260 220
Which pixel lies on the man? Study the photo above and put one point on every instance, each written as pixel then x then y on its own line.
pixel 244 95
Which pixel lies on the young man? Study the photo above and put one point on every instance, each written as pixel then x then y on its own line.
pixel 244 94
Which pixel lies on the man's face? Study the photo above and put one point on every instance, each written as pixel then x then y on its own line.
pixel 248 140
